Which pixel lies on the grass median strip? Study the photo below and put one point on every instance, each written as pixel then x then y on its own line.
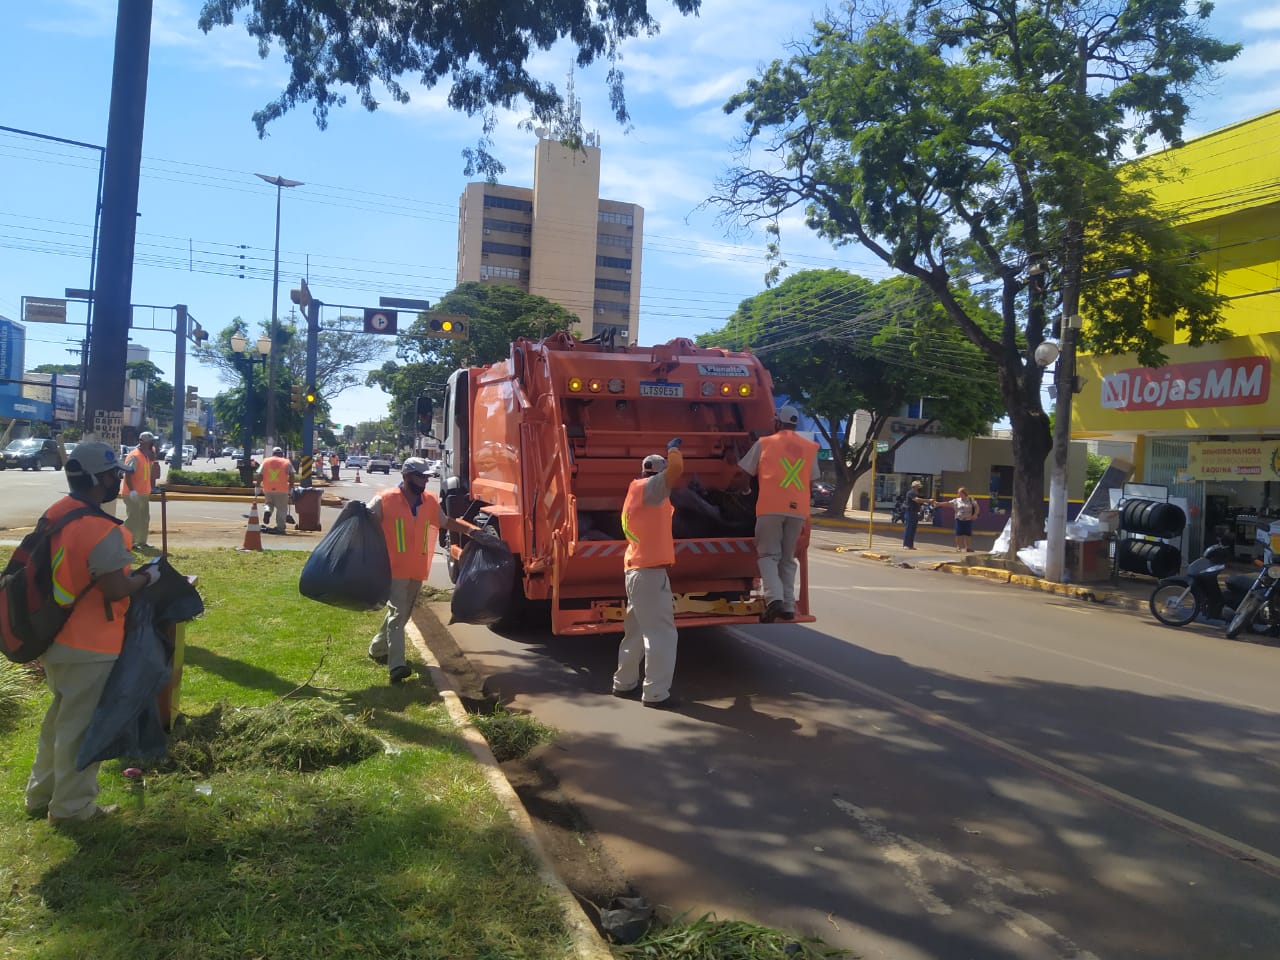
pixel 307 808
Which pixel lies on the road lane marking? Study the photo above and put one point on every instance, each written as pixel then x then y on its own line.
pixel 989 886
pixel 1198 834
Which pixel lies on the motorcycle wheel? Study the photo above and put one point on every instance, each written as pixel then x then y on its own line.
pixel 1243 617
pixel 1174 605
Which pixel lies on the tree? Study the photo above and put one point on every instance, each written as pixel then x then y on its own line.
pixel 498 314
pixel 484 46
pixel 836 343
pixel 973 145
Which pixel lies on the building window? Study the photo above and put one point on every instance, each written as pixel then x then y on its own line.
pixel 507 249
pixel 608 306
pixel 623 218
pixel 488 272
pixel 506 226
pixel 618 263
pixel 613 240
pixel 622 286
pixel 508 203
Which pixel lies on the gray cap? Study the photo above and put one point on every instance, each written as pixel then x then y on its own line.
pixel 146 435
pixel 653 463
pixel 415 465
pixel 90 458
pixel 788 414
pixel 277 451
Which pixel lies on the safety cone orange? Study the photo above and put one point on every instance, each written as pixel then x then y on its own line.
pixel 252 531
pixel 358 480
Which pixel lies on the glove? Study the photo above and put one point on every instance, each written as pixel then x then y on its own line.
pixel 152 573
pixel 674 443
pixel 133 494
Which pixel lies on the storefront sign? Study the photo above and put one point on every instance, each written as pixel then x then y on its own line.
pixel 1240 460
pixel 1236 382
pixel 901 425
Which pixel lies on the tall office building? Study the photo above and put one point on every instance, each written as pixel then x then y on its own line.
pixel 558 240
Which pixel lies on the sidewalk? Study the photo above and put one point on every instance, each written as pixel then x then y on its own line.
pixel 935 550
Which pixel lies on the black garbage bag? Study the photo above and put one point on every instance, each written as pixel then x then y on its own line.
pixel 486 577
pixel 349 568
pixel 127 721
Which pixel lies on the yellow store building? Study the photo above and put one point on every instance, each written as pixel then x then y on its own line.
pixel 1207 425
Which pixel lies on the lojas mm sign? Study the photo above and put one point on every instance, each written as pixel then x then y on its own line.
pixel 1236 382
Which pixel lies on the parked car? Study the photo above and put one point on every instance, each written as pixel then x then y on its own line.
pixel 357 461
pixel 32 454
pixel 820 493
pixel 379 462
pixel 188 454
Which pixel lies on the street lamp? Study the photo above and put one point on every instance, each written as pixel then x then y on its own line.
pixel 239 346
pixel 279 183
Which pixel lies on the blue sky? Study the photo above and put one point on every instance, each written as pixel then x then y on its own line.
pixel 378 213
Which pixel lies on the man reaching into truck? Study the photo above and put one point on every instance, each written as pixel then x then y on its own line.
pixel 784 463
pixel 650 626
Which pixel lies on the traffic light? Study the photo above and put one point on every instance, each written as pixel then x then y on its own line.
pixel 309 398
pixel 197 334
pixel 302 295
pixel 295 397
pixel 424 416
pixel 193 396
pixel 449 326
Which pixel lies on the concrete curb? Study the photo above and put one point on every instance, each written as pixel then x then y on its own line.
pixel 586 942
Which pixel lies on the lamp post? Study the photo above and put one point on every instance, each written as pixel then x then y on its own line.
pixel 239 345
pixel 279 183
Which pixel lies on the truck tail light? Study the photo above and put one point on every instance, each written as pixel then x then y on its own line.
pixel 744 389
pixel 595 386
pixel 575 384
pixel 726 389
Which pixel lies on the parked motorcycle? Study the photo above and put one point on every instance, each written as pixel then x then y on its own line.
pixel 1260 608
pixel 1176 601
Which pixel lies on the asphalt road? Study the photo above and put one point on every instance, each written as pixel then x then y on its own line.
pixel 939 768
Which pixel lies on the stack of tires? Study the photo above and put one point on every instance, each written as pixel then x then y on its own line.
pixel 1150 518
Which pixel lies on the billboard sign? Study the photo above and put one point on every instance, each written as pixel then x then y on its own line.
pixel 43 310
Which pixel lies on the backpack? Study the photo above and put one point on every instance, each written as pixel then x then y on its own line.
pixel 30 617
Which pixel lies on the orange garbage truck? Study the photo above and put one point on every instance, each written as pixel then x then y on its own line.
pixel 541 447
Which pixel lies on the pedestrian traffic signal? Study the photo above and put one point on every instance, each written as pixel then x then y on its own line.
pixel 449 326
pixel 193 396
pixel 295 397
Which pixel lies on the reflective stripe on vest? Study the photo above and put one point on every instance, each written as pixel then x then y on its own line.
pixel 786 470
pixel 647 529
pixel 408 538
pixel 61 594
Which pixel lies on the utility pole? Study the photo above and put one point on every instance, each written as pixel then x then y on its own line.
pixel 274 359
pixel 1064 375
pixel 109 337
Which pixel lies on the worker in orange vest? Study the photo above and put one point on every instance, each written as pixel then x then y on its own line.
pixel 333 465
pixel 275 478
pixel 783 461
pixel 91 575
pixel 405 514
pixel 138 487
pixel 650 626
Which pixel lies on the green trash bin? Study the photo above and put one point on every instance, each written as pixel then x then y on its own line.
pixel 307 502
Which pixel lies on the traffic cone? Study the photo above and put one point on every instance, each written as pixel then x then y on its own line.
pixel 252 531
pixel 358 480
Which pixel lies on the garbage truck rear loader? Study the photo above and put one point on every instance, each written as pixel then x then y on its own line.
pixel 542 446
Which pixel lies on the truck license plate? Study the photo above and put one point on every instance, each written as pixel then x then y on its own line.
pixel 650 389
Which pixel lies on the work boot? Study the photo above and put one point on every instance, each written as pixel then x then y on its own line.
pixel 401 673
pixel 772 612
pixel 94 815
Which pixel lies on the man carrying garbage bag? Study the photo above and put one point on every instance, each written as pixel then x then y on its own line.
pixel 405 514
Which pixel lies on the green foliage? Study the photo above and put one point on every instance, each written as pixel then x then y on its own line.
pixel 499 314
pixel 511 735
pixel 836 343
pixel 709 939
pixel 485 47
pixel 1097 466
pixel 190 478
pixel 963 143
pixel 18 683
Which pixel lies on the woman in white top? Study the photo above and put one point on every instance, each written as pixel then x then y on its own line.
pixel 966 509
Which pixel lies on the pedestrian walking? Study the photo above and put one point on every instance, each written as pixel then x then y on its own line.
pixel 138 480
pixel 783 461
pixel 275 477
pixel 913 508
pixel 966 509
pixel 93 576
pixel 405 513
pixel 649 636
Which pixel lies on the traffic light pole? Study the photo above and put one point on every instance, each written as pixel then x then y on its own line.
pixel 312 308
pixel 179 384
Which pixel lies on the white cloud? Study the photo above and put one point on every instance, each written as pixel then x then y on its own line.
pixel 1264 19
pixel 1256 59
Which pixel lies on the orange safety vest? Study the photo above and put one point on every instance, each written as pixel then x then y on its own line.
pixel 408 537
pixel 275 475
pixel 140 479
pixel 648 530
pixel 785 472
pixel 96 623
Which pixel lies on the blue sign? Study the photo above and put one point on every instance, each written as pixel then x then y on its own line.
pixel 13 348
pixel 20 408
